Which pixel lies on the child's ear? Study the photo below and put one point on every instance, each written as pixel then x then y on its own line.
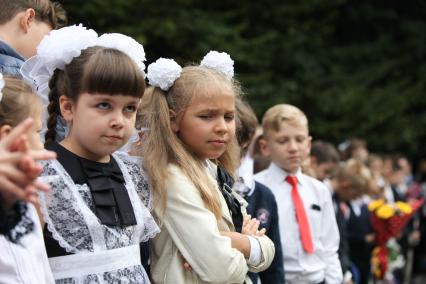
pixel 27 19
pixel 264 149
pixel 173 121
pixel 5 130
pixel 309 143
pixel 67 108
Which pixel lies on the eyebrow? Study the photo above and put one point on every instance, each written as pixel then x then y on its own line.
pixel 215 110
pixel 108 98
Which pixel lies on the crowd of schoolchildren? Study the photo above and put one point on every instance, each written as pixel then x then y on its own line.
pixel 111 172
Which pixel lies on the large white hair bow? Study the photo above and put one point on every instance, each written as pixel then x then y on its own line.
pixel 163 73
pixel 58 49
pixel 219 61
pixel 126 45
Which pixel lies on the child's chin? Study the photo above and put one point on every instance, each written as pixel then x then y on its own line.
pixel 291 168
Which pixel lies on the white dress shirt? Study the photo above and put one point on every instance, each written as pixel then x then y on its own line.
pixel 301 267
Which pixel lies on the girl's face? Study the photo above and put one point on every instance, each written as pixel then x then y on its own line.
pixel 100 124
pixel 34 140
pixel 208 124
pixel 33 134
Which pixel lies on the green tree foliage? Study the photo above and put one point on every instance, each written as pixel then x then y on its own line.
pixel 357 68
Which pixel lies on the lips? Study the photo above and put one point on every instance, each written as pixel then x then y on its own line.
pixel 218 142
pixel 114 137
pixel 294 158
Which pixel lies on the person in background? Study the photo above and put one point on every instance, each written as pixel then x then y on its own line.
pixel 23 24
pixel 260 160
pixel 260 199
pixel 358 150
pixel 350 183
pixel 324 159
pixel 309 232
pixel 23 258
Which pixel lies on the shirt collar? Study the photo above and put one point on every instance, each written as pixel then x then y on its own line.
pixel 245 171
pixel 279 174
pixel 8 50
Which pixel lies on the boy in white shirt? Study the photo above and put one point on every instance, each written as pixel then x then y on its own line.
pixel 309 233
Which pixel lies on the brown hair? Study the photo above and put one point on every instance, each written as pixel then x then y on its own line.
pixel 246 123
pixel 277 114
pixel 324 152
pixel 46 11
pixel 17 103
pixel 162 146
pixel 261 161
pixel 96 70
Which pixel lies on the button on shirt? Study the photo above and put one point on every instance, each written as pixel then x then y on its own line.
pixel 301 267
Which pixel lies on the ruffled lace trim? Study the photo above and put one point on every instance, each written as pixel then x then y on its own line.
pixel 92 235
pixel 138 176
pixel 24 226
pixel 130 275
pixel 44 201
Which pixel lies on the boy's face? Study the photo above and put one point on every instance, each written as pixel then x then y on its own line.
pixel 31 33
pixel 323 170
pixel 34 36
pixel 289 146
pixel 346 190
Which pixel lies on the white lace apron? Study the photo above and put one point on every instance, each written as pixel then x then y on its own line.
pixel 101 254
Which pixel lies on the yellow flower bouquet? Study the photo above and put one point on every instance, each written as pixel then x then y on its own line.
pixel 388 221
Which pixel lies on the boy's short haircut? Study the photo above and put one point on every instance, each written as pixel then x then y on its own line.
pixel 246 122
pixel 324 152
pixel 283 112
pixel 46 11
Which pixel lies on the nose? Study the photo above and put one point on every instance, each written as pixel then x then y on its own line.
pixel 292 146
pixel 221 126
pixel 117 119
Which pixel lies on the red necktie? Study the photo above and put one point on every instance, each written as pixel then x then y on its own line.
pixel 302 220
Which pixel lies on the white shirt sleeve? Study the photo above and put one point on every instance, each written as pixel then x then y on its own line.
pixel 255 252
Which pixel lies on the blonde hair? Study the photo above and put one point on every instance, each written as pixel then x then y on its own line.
pixel 18 102
pixel 277 114
pixel 357 174
pixel 162 146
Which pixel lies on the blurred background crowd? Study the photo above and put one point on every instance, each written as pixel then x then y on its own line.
pixel 356 68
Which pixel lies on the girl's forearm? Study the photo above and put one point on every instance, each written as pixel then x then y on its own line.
pixel 239 242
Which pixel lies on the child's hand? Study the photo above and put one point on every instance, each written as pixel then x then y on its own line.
pixel 369 238
pixel 18 166
pixel 261 232
pixel 12 179
pixel 251 227
pixel 187 266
